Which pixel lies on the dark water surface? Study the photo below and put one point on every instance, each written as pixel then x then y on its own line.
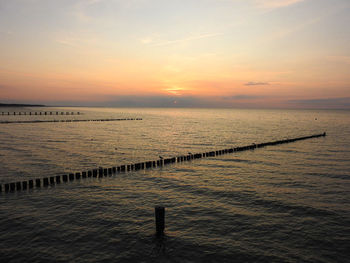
pixel 284 203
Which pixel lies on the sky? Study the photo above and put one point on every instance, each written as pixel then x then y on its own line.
pixel 176 53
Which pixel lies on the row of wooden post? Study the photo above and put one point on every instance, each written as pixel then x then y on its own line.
pixel 40 113
pixel 77 120
pixel 102 172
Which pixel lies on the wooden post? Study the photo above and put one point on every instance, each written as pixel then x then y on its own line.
pixel 37 182
pixel 64 178
pixel 159 212
pixel 58 179
pixel 46 181
pixel 24 185
pixel 71 177
pixel 52 180
pixel 30 183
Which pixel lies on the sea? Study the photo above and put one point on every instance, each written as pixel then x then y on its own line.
pixel 281 203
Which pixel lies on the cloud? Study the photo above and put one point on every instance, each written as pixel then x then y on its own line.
pixel 340 59
pixel 171 101
pixel 146 40
pixel 158 101
pixel 276 3
pixel 253 83
pixel 177 41
pixel 327 103
pixel 244 97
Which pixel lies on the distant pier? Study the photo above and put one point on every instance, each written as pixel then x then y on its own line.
pixel 14 113
pixel 76 120
pixel 103 172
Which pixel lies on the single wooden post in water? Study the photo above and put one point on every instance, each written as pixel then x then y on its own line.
pixel 52 180
pixel 18 186
pixel 31 183
pixel 71 177
pixel 159 212
pixel 46 181
pixel 65 178
pixel 37 182
pixel 24 185
pixel 58 179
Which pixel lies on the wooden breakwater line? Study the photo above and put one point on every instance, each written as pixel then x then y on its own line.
pixel 40 113
pixel 43 121
pixel 103 172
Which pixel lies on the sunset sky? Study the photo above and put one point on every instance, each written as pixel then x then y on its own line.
pixel 187 53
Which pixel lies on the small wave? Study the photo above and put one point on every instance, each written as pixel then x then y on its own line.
pixel 337 176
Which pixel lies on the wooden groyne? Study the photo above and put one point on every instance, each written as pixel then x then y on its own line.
pixel 103 172
pixel 77 120
pixel 14 113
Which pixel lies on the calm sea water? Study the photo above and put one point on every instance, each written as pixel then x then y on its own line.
pixel 284 203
